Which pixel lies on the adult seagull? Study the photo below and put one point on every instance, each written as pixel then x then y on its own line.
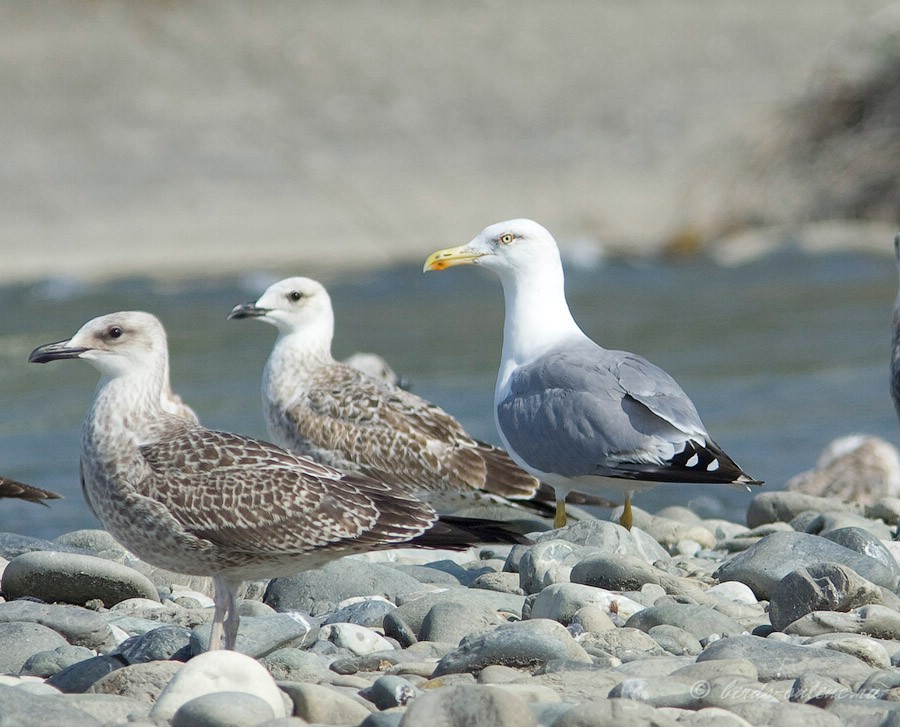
pixel 574 414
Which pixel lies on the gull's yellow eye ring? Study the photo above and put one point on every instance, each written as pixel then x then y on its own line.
pixel 506 239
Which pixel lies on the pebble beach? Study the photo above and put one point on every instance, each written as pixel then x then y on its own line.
pixel 793 615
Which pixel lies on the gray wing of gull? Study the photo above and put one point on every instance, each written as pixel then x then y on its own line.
pixel 584 410
pixel 249 496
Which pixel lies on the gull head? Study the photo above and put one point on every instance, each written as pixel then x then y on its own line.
pixel 291 305
pixel 115 344
pixel 514 244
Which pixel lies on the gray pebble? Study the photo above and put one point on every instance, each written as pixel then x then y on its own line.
pixel 549 562
pixel 502 582
pixel 390 718
pixel 817 687
pixel 561 601
pixel 165 642
pixel 615 571
pixel 93 541
pixel 78 625
pixel 143 682
pixel 295 665
pixel 762 713
pixel 763 565
pixel 865 543
pixel 875 620
pixel 708 670
pixel 784 506
pixel 777 660
pixel 18 707
pixel 79 677
pixel 319 703
pixel 261 635
pixel 602 712
pixel 318 591
pixel 675 640
pixel 413 611
pixel 525 643
pixel 74 578
pixel 608 537
pixel 658 692
pixel 593 618
pixel 20 639
pixel 819 587
pixel 390 691
pixel 396 628
pixel 223 709
pixel 468 706
pixel 370 612
pixel 829 522
pixel 48 663
pixel 450 621
pixel 108 708
pixel 699 621
pixel 625 644
pixel 13 545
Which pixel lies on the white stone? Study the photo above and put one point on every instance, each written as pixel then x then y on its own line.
pixel 131 604
pixel 560 601
pixel 218 671
pixel 734 591
pixel 202 599
pixel 358 639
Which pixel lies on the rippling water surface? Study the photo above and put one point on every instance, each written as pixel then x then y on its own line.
pixel 780 356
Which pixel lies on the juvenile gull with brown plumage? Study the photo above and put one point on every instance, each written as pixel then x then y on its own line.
pixel 317 406
pixel 202 502
pixel 570 412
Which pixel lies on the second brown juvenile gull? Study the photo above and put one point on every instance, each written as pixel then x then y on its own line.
pixel 317 406
pixel 203 502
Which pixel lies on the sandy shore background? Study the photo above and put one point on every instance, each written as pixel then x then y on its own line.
pixel 206 137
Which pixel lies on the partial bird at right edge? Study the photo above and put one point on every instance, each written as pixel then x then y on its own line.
pixel 574 414
pixel 895 343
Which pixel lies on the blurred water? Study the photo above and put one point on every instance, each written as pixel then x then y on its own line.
pixel 780 356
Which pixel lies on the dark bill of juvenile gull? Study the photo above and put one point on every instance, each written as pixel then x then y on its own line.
pixel 203 502
pixel 574 414
pixel 18 490
pixel 317 406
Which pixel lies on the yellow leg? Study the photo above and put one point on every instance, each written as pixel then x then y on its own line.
pixel 560 520
pixel 626 520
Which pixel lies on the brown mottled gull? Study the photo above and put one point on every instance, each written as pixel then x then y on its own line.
pixel 12 489
pixel 320 407
pixel 574 414
pixel 203 502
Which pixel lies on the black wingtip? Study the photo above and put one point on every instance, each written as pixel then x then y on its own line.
pixel 458 533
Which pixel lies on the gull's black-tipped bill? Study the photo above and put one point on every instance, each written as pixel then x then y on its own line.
pixel 247 310
pixel 55 352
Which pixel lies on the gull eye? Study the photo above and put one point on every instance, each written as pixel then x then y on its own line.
pixel 294 296
pixel 115 332
pixel 506 239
